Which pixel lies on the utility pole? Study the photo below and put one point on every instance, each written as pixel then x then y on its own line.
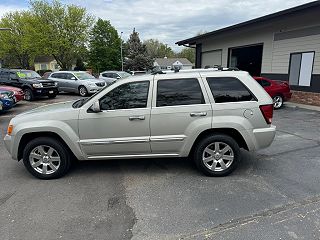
pixel 121 49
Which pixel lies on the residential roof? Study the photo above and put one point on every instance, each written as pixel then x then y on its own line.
pixel 252 22
pixel 41 59
pixel 170 61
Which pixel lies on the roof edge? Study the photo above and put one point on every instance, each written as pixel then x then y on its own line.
pixel 249 22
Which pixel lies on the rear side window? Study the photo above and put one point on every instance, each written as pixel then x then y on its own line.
pixel 57 75
pixel 179 92
pixel 229 89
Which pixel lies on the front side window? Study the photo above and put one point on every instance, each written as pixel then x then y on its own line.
pixel 126 96
pixel 229 89
pixel 175 92
pixel 69 76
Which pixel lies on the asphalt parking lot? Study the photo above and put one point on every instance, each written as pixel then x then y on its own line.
pixel 274 194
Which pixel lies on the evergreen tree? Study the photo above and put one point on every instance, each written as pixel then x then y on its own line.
pixel 137 58
pixel 104 47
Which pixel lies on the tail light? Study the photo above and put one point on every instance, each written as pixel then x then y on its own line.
pixel 267 112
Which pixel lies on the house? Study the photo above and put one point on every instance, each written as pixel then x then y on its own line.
pixel 284 45
pixel 172 63
pixel 46 63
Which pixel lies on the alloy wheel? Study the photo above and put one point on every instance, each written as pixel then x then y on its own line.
pixel 44 159
pixel 277 102
pixel 218 156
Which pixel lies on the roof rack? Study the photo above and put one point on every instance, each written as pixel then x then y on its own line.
pixel 209 69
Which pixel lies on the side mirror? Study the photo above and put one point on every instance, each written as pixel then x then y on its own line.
pixel 118 77
pixel 73 78
pixel 96 107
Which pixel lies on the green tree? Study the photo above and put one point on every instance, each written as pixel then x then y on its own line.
pixel 62 30
pixel 17 47
pixel 104 47
pixel 188 53
pixel 157 49
pixel 137 58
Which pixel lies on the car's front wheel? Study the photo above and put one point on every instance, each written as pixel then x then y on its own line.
pixel 46 158
pixel 277 102
pixel 28 94
pixel 217 155
pixel 83 91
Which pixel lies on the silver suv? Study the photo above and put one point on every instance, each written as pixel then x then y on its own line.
pixel 79 82
pixel 205 115
pixel 112 76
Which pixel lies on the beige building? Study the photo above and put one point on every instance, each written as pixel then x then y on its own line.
pixel 283 45
pixel 46 63
pixel 171 63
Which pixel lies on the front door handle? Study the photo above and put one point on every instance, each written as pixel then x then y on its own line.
pixel 198 114
pixel 132 118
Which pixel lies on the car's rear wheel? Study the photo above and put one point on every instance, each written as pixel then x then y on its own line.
pixel 277 101
pixel 46 158
pixel 217 155
pixel 83 91
pixel 28 94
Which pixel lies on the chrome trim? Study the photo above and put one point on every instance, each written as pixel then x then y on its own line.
pixel 133 156
pixel 170 138
pixel 108 141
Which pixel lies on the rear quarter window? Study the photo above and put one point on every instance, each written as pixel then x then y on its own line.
pixel 229 89
pixel 173 92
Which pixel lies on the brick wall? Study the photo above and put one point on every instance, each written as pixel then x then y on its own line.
pixel 309 98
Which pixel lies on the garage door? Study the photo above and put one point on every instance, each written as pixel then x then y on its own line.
pixel 211 58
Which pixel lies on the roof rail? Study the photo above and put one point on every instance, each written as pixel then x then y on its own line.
pixel 215 68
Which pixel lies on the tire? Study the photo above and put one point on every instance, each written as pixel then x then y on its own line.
pixel 277 102
pixel 223 163
pixel 28 94
pixel 51 96
pixel 83 92
pixel 52 158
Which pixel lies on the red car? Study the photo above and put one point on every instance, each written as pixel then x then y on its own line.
pixel 18 93
pixel 278 90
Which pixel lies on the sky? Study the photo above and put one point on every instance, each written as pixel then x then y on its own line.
pixel 170 21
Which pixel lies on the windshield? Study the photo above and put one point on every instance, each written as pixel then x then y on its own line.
pixel 80 102
pixel 83 75
pixel 28 74
pixel 124 74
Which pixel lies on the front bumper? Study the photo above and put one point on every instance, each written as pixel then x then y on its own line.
pixel 94 89
pixel 8 143
pixel 45 91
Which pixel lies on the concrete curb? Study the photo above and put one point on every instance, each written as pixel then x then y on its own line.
pixel 304 106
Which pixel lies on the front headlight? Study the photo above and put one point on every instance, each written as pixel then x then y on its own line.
pixel 37 85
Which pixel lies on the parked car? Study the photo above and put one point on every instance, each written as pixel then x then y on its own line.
pixel 79 82
pixel 278 90
pixel 206 115
pixel 7 99
pixel 30 82
pixel 18 92
pixel 112 76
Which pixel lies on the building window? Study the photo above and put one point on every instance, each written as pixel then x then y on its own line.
pixel 300 69
pixel 228 89
pixel 43 67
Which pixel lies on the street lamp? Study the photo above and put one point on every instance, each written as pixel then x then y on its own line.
pixel 121 52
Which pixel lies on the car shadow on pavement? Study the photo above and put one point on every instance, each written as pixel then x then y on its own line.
pixel 174 166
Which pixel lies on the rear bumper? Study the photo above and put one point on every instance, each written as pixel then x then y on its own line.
pixel 287 96
pixel 264 137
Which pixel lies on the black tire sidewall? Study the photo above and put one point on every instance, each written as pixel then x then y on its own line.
pixel 58 146
pixel 209 140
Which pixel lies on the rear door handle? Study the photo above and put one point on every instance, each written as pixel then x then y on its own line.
pixel 198 114
pixel 132 118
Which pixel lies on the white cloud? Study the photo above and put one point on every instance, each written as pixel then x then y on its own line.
pixel 5 9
